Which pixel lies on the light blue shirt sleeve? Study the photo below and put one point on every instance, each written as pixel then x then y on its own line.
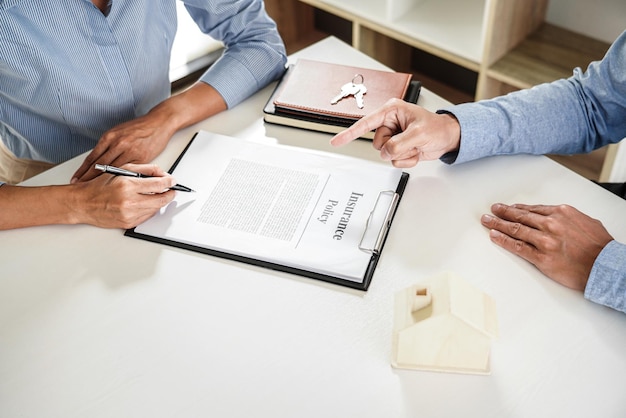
pixel 254 52
pixel 575 115
pixel 607 281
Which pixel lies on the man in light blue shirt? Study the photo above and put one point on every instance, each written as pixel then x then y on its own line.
pixel 86 75
pixel 575 115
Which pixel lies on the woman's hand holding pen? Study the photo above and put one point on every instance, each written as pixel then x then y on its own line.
pixel 123 202
pixel 106 201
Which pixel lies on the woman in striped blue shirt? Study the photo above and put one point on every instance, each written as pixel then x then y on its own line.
pixel 80 75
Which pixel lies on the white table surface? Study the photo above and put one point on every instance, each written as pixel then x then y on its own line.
pixel 95 324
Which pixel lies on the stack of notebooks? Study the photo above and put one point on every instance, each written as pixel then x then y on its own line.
pixel 304 97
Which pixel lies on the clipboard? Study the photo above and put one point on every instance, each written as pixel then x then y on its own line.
pixel 372 235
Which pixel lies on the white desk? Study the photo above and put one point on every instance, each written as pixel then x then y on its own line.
pixel 95 324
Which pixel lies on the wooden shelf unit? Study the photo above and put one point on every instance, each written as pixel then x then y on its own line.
pixel 547 54
pixel 506 42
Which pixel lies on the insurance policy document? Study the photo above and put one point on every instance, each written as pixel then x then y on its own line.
pixel 289 206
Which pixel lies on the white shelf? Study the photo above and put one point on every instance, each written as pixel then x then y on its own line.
pixel 453 26
pixel 473 34
pixel 375 10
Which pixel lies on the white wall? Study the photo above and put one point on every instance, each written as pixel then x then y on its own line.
pixel 599 19
pixel 190 43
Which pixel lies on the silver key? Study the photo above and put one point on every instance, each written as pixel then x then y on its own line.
pixel 348 89
pixel 359 95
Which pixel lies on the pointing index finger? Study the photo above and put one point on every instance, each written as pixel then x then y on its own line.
pixel 362 126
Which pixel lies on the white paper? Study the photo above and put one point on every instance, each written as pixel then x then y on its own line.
pixel 299 208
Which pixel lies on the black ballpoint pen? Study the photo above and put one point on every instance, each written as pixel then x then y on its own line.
pixel 121 172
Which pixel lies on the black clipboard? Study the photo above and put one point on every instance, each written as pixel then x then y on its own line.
pixel 375 250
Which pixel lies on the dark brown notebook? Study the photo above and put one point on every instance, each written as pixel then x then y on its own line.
pixel 304 96
pixel 312 85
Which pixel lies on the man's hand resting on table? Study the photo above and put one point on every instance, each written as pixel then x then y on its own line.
pixel 559 240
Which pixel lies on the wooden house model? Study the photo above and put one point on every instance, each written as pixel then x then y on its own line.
pixel 444 324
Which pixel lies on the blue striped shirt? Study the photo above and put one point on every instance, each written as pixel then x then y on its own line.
pixel 68 72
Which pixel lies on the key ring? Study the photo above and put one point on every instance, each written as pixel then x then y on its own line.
pixel 356 77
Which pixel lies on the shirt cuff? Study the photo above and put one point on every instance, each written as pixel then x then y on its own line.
pixel 240 73
pixel 232 80
pixel 449 157
pixel 471 120
pixel 607 281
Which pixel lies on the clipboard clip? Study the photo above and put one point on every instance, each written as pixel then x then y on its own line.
pixel 382 217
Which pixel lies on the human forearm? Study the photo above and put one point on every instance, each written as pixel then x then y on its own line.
pixel 545 119
pixel 31 206
pixel 568 116
pixel 188 107
pixel 106 201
